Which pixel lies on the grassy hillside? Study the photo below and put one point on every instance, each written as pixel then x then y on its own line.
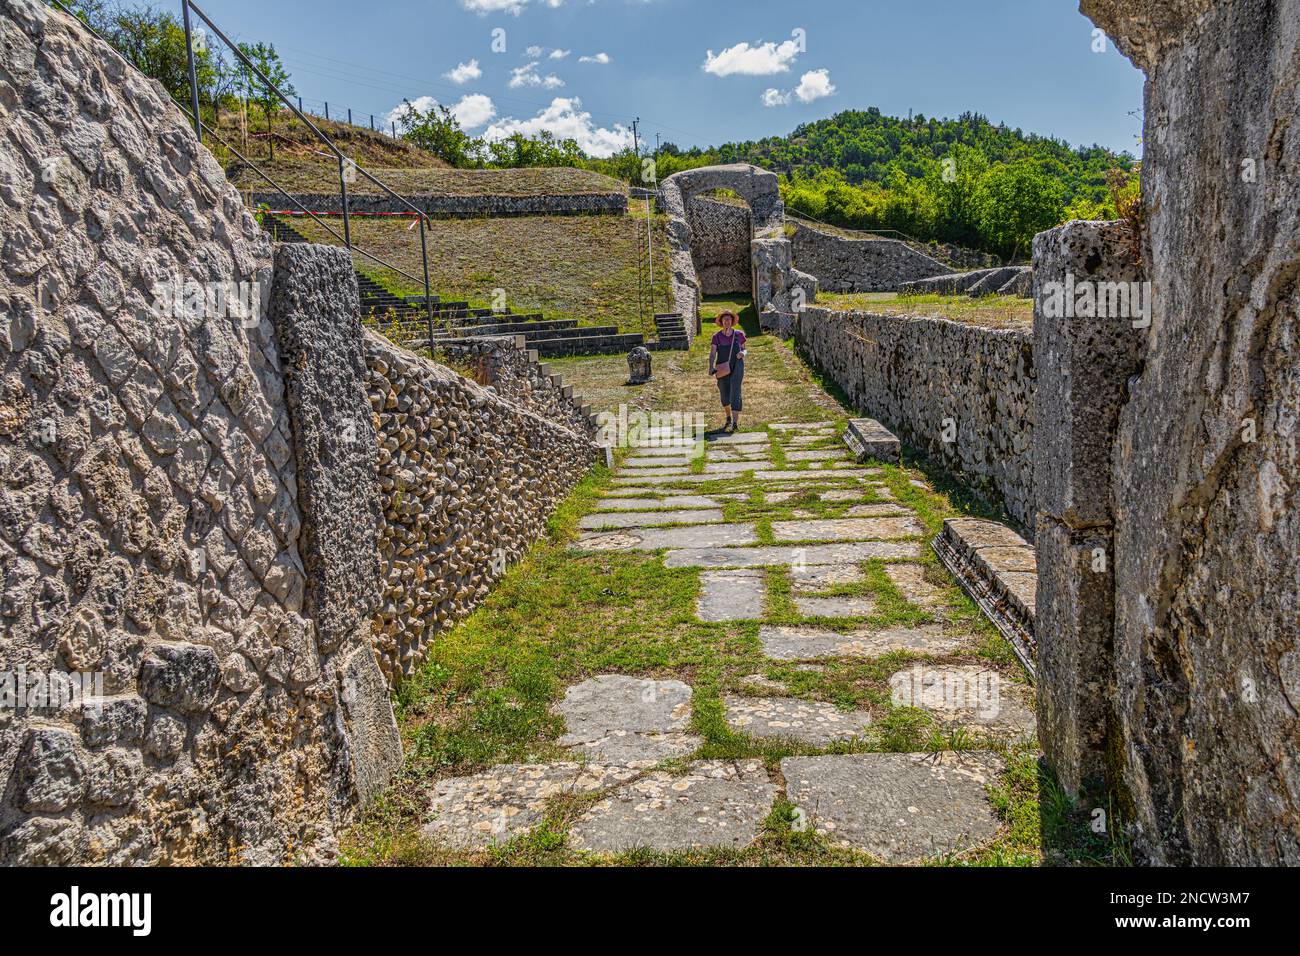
pixel 579 267
pixel 302 164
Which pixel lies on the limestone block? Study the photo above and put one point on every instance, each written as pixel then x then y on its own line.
pixel 1083 364
pixel 1075 616
pixel 370 729
pixel 182 676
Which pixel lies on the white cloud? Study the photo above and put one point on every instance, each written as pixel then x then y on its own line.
pixel 527 75
pixel 533 52
pixel 474 110
pixel 566 120
pixel 814 85
pixel 464 72
pixel 601 58
pixel 485 7
pixel 471 110
pixel 559 54
pixel 763 59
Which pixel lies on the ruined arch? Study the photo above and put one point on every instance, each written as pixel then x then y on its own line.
pixel 773 277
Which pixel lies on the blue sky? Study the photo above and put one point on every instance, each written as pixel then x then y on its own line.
pixel 701 72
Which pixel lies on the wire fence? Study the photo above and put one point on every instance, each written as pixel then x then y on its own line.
pixel 338 113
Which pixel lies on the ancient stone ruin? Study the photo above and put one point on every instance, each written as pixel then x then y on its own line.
pixel 250 518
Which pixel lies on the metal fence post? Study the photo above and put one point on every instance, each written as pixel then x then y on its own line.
pixel 372 122
pixel 349 116
pixel 343 191
pixel 194 80
pixel 428 300
pixel 327 109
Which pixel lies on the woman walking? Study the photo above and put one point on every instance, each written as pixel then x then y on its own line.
pixel 727 365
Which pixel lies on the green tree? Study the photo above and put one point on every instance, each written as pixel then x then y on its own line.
pixel 438 131
pixel 1016 202
pixel 264 57
pixel 154 41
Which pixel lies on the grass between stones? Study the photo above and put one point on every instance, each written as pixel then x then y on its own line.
pixel 485 694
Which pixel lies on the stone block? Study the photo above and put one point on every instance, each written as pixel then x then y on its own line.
pixel 51 772
pixel 1083 362
pixel 185 677
pixel 1074 628
pixel 369 727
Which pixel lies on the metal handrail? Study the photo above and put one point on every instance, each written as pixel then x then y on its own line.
pixel 193 115
pixel 344 160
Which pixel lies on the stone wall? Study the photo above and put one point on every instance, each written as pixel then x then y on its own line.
pixel 860 265
pixel 467 482
pixel 931 379
pixel 1205 686
pixel 150 499
pixel 198 504
pixel 720 236
pixel 458 207
pixel 510 368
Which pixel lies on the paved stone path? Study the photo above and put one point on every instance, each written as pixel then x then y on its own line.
pixel 898 807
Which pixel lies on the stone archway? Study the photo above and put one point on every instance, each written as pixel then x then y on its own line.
pixel 773 276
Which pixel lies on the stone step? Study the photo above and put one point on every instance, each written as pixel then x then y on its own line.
pixel 590 345
pixel 869 439
pixel 999 570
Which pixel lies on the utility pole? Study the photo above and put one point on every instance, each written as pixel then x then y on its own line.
pixel 636 141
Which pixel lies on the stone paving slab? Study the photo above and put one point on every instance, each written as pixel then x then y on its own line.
pixel 850 472
pixel 740 438
pixel 652 539
pixel 666 451
pixel 970 696
pixel 847 529
pixel 910 580
pixel 654 470
pixel 841 606
pixel 648 481
pixel 823 576
pixel 900 808
pixel 795 555
pixel 797 440
pixel 820 454
pixel 790 718
pixel 616 719
pixel 799 643
pixel 739 595
pixel 738 453
pixel 649 519
pixel 734 467
pixel 879 509
pixel 843 494
pixel 470 813
pixel 659 462
pixel 715 804
pixel 685 502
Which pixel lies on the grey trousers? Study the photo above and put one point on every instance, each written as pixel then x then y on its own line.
pixel 729 387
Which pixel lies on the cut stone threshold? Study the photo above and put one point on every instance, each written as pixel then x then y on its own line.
pixel 997 569
pixel 868 439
